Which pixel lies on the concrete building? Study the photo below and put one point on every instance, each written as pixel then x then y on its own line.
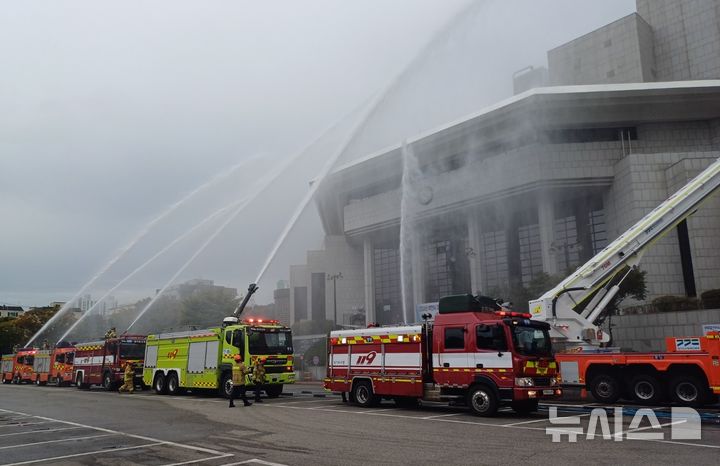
pixel 535 184
pixel 11 311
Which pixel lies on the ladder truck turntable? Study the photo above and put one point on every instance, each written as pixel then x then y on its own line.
pixel 688 371
pixel 474 352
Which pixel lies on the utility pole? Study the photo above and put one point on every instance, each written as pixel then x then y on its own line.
pixel 335 278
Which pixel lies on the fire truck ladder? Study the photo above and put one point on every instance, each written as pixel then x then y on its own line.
pixel 572 324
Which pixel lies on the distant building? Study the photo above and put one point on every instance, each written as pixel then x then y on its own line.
pixel 11 311
pixel 281 299
pixel 86 302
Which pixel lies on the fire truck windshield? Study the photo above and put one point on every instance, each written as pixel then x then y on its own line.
pixel 531 341
pixel 269 342
pixel 132 350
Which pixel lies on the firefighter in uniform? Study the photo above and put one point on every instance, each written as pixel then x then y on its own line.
pixel 111 333
pixel 128 379
pixel 239 371
pixel 259 378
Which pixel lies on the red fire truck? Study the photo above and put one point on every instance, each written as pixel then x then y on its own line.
pixel 102 362
pixel 18 368
pixel 54 366
pixel 474 352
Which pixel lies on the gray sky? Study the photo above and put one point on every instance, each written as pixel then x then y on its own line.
pixel 114 111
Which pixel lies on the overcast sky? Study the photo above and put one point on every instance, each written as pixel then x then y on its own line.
pixel 112 111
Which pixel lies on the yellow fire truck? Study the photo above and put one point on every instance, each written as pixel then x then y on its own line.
pixel 203 359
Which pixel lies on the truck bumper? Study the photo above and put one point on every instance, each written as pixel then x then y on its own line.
pixel 536 393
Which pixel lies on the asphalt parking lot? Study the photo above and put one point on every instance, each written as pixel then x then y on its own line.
pixel 49 425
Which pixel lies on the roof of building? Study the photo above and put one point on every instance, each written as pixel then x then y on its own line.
pixel 697 99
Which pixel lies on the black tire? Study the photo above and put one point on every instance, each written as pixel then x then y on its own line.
pixel 273 391
pixel 688 390
pixel 173 384
pixel 79 383
pixel 108 383
pixel 482 400
pixel 605 388
pixel 525 406
pixel 645 388
pixel 4 380
pixel 226 385
pixel 363 394
pixel 159 384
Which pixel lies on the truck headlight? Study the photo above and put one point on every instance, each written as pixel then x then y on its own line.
pixel 524 382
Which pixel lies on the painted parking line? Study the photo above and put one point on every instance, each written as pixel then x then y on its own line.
pixel 543 419
pixel 67 439
pixel 209 458
pixel 154 441
pixel 27 424
pixel 443 415
pixel 256 461
pixel 42 431
pixel 75 455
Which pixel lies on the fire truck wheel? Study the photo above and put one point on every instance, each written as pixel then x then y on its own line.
pixel 226 385
pixel 605 388
pixel 159 384
pixel 79 383
pixel 645 388
pixel 173 385
pixel 363 394
pixel 4 380
pixel 482 400
pixel 525 406
pixel 688 390
pixel 108 383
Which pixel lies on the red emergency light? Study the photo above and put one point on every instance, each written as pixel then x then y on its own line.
pixel 513 314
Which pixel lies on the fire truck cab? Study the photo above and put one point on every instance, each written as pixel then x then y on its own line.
pixel 474 352
pixel 18 367
pixel 102 362
pixel 54 366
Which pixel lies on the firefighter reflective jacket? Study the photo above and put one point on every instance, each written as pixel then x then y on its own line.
pixel 238 374
pixel 259 374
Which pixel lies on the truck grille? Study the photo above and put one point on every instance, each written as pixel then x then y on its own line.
pixel 542 381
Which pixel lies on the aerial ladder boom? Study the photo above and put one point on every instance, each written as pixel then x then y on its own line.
pixel 572 307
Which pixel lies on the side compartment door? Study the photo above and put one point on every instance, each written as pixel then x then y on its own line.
pixel 451 362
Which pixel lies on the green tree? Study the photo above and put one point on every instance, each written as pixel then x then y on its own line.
pixel 207 308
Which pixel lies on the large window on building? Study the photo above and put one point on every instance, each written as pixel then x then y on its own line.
pixel 495 261
pixel 598 231
pixel 447 268
pixel 565 245
pixel 318 296
pixel 388 294
pixel 300 302
pixel 530 252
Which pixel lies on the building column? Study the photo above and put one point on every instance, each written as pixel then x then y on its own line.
pixel 546 221
pixel 369 276
pixel 474 251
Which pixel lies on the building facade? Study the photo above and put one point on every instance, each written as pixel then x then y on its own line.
pixel 535 185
